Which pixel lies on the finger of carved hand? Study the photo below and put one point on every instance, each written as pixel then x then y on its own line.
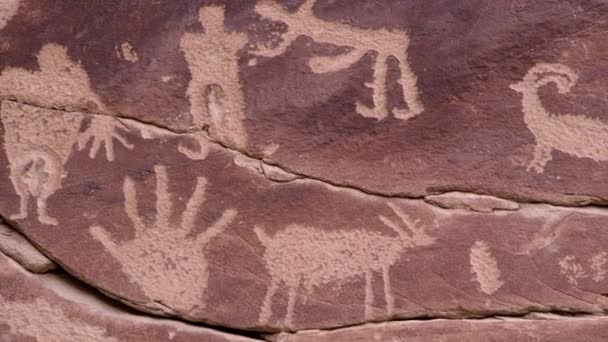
pixel 109 148
pixel 83 140
pixel 163 197
pixel 131 204
pixel 102 235
pixel 123 141
pixel 218 226
pixel 194 204
pixel 95 147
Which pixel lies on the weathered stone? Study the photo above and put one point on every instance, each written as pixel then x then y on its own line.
pixel 193 230
pixel 488 330
pixel 51 308
pixel 366 95
pixel 278 166
pixel 19 249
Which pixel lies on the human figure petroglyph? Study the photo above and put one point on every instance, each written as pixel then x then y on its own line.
pixel 576 135
pixel 484 268
pixel 38 143
pixel 385 43
pixel 60 83
pixel 45 322
pixel 215 93
pixel 163 259
pixel 303 256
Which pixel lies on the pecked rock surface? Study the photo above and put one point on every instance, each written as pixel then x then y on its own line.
pixel 489 330
pixel 50 307
pixel 277 166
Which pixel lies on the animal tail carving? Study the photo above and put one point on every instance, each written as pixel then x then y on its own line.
pixel 544 73
pixel 264 238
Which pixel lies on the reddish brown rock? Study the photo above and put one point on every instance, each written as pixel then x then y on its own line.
pixel 196 231
pixel 19 249
pixel 584 329
pixel 50 307
pixel 264 165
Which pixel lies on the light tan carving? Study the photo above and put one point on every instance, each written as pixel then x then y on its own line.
pixel 215 91
pixel 162 258
pixel 38 143
pixel 127 53
pixel 60 83
pixel 385 43
pixel 575 271
pixel 303 256
pixel 576 135
pixel 485 268
pixel 8 8
pixel 103 130
pixel 45 322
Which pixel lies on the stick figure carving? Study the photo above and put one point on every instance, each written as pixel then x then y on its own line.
pixel 576 135
pixel 384 42
pixel 38 143
pixel 162 258
pixel 215 91
pixel 302 256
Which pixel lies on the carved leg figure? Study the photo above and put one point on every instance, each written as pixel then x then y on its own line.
pixel 369 295
pixel 266 310
pixel 542 154
pixel 390 301
pixel 291 302
pixel 379 110
pixel 410 91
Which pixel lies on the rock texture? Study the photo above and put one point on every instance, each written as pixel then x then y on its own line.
pixel 490 330
pixel 50 307
pixel 19 249
pixel 287 165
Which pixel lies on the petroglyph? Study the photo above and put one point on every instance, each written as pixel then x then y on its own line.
pixel 38 143
pixel 485 268
pixel 575 271
pixel 60 83
pixel 215 93
pixel 303 256
pixel 44 322
pixel 384 42
pixel 127 53
pixel 576 135
pixel 8 8
pixel 162 258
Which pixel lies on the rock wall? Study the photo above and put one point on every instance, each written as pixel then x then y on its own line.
pixel 284 170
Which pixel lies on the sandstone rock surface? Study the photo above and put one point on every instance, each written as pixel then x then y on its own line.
pixel 52 308
pixel 277 166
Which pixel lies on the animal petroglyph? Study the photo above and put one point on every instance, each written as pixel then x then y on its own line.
pixel 385 43
pixel 215 94
pixel 60 83
pixel 45 322
pixel 8 8
pixel 38 143
pixel 302 256
pixel 484 268
pixel 163 259
pixel 576 135
pixel 575 271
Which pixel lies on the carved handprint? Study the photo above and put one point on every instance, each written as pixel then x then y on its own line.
pixel 162 258
pixel 103 130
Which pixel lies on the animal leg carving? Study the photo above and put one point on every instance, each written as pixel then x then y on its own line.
pixel 410 92
pixel 542 155
pixel 369 295
pixel 266 311
pixel 291 303
pixel 378 86
pixel 390 300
